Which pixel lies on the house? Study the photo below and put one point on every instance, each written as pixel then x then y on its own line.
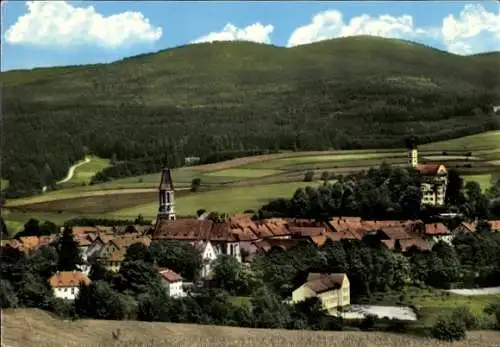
pixel 95 247
pixel 121 242
pixel 465 227
pixel 113 261
pixel 220 234
pixel 208 256
pixel 332 289
pixel 66 284
pixel 172 282
pixel 435 232
pixel 434 179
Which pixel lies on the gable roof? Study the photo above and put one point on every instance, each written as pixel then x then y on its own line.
pixel 395 233
pixel 68 279
pixel 428 169
pixel 127 241
pixel 320 283
pixel 416 242
pixel 193 229
pixel 170 275
pixel 436 229
pixel 495 225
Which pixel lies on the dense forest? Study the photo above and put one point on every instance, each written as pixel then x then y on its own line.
pixel 238 99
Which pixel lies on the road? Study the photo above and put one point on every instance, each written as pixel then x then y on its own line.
pixel 71 170
pixel 478 291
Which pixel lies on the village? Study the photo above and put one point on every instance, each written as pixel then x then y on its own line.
pixel 242 237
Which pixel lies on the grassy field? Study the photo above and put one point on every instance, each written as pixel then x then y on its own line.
pixel 432 302
pixel 244 183
pixel 30 327
pixel 230 200
pixel 485 181
pixel 83 173
pixel 485 141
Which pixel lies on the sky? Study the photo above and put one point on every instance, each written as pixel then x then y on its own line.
pixel 58 33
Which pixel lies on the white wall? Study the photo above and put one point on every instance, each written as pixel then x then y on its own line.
pixel 68 293
pixel 174 289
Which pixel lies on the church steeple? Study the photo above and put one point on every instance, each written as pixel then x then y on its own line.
pixel 166 208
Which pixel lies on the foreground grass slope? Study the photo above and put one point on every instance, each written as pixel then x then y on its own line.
pixel 343 93
pixel 31 327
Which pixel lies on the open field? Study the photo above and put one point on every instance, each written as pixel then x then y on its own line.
pixel 432 302
pixel 247 183
pixel 489 140
pixel 228 200
pixel 30 327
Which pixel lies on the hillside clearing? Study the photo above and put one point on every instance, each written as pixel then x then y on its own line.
pixel 83 171
pixel 31 327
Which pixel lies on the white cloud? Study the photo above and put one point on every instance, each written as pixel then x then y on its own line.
pixel 255 32
pixel 58 23
pixel 330 24
pixel 474 30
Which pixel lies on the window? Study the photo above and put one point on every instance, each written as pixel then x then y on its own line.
pixel 72 290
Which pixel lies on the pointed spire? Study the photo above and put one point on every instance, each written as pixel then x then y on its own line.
pixel 166 180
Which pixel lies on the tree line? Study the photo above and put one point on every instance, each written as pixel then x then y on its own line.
pixel 386 192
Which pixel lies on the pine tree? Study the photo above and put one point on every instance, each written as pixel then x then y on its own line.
pixel 69 254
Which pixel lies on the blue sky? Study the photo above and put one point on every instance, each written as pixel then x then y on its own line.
pixel 67 33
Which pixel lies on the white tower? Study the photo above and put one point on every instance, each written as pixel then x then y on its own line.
pixel 166 209
pixel 413 157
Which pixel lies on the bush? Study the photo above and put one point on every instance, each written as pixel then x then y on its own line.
pixel 195 184
pixel 448 329
pixel 309 176
pixel 464 315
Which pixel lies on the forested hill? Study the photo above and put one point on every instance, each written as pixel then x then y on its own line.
pixel 201 99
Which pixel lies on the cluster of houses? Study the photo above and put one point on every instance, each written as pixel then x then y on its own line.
pixel 241 237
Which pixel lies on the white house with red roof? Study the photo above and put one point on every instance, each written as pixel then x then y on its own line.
pixel 172 282
pixel 66 284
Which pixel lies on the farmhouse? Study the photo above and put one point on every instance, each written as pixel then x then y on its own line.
pixel 66 284
pixel 332 289
pixel 434 179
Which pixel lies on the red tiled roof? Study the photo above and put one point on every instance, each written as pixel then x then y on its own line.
pixel 307 231
pixel 170 275
pixel 68 279
pixel 419 243
pixel 319 240
pixel 428 169
pixel 284 244
pixel 320 283
pixel 495 225
pixel 389 244
pixel 436 229
pixel 395 233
